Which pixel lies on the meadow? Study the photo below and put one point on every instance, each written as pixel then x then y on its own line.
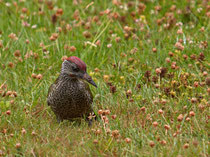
pixel 149 59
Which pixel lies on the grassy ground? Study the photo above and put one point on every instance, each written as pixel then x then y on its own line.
pixel 149 58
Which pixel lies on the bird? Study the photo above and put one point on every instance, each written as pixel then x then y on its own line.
pixel 70 96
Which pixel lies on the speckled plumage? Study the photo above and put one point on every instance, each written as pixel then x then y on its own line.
pixel 70 97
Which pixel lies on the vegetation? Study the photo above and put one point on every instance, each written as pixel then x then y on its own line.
pixel 149 59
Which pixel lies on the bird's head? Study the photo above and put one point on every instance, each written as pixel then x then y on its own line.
pixel 75 67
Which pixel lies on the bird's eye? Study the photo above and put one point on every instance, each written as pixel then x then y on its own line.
pixel 75 69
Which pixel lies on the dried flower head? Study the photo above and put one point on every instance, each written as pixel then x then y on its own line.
pixel 171 54
pixel 154 50
pixel 160 111
pixel 59 12
pixel 8 112
pixel 115 133
pixel 86 34
pixel 72 48
pixel 95 141
pixel 17 53
pixel 180 117
pixel 114 116
pixel 179 46
pixel 18 145
pixel 143 109
pixel 167 127
pixel 163 142
pixel 186 145
pixel 100 112
pixel 192 114
pixel 193 100
pixel 127 140
pixel 151 144
pixel 155 124
pixel 39 76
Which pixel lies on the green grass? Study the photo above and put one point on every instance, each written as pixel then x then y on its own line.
pixel 26 119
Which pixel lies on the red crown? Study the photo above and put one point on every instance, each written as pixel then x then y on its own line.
pixel 78 62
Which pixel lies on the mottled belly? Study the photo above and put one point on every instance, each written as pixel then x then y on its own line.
pixel 72 107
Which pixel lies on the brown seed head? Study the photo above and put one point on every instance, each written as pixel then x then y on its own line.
pixel 188 119
pixel 129 92
pixel 193 56
pixel 127 140
pixel 196 84
pixel 117 39
pixel 151 144
pixel 143 109
pixel 205 73
pixel 98 42
pixel 115 133
pixel 155 124
pixel 179 46
pixel 171 54
pixel 33 133
pixel 168 60
pixel 201 107
pixel 24 10
pixel 193 100
pixel 186 145
pixel 59 12
pixel 13 36
pixel 163 142
pixel 192 114
pixel 64 58
pixel 180 118
pixel 160 111
pixel 98 132
pixel 86 34
pixel 179 31
pixel 114 116
pixel 202 29
pixel 8 112
pixel 100 112
pixel 107 112
pixel 96 70
pixel 185 56
pixel 167 127
pixel 12 101
pixel 158 71
pixel 154 50
pixel 72 48
pixel 18 145
pixel 9 93
pixel 95 141
pixel 157 85
pixel 17 53
pixel 33 75
pixel 39 76
pixel 23 131
pixel 11 65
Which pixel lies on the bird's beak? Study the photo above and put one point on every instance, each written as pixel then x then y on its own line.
pixel 89 79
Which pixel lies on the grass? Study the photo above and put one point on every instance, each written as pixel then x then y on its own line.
pixel 149 59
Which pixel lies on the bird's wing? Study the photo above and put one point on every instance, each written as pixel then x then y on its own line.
pixel 87 87
pixel 51 88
